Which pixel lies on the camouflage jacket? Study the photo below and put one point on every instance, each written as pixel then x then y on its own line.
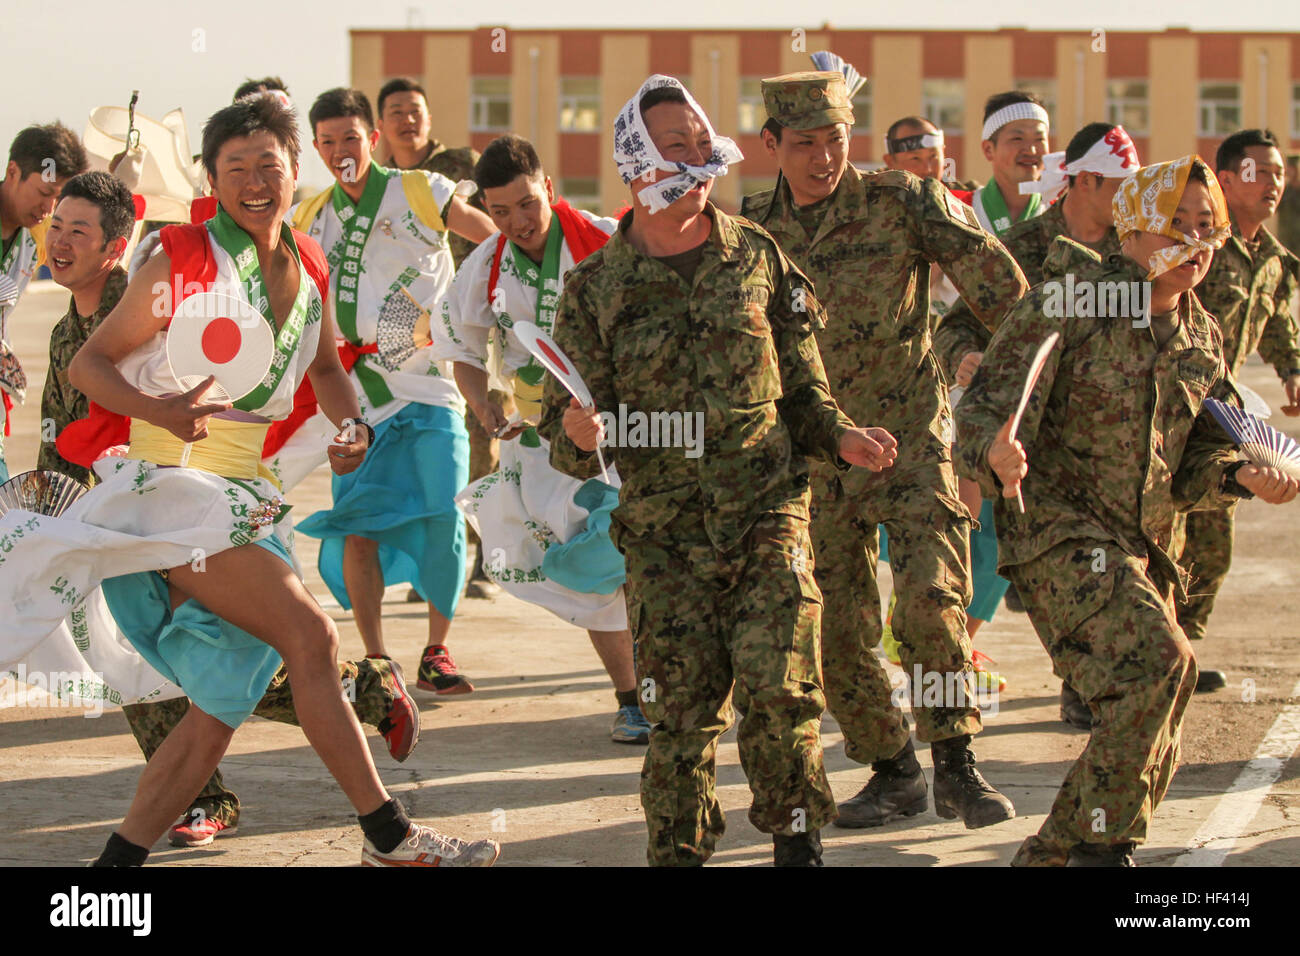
pixel 870 262
pixel 1249 292
pixel 1115 433
pixel 455 164
pixel 960 331
pixel 734 350
pixel 61 404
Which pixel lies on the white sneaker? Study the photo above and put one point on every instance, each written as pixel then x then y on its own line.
pixel 425 846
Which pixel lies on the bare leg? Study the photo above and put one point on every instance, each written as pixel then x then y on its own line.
pixel 439 626
pixel 364 580
pixel 177 771
pixel 615 650
pixel 256 591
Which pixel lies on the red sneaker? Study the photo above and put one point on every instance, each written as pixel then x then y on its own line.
pixel 199 830
pixel 438 673
pixel 401 725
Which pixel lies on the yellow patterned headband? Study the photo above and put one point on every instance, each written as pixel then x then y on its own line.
pixel 1148 200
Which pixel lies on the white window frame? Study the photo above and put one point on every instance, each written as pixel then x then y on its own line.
pixel 933 105
pixel 1210 109
pixel 1116 106
pixel 572 105
pixel 750 105
pixel 480 105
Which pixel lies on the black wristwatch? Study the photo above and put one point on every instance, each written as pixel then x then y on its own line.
pixel 1230 483
pixel 370 432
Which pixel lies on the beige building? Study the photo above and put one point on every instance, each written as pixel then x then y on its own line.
pixel 1174 91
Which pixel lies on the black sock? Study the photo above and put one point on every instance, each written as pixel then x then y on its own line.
pixel 120 852
pixel 386 827
pixel 627 698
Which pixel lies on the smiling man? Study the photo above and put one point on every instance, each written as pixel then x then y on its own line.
pixel 689 310
pixel 1116 442
pixel 867 241
pixel 41 160
pixel 385 235
pixel 1249 290
pixel 1014 140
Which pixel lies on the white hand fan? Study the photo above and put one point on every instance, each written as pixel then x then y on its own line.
pixel 832 63
pixel 41 492
pixel 1262 444
pixel 544 349
pixel 8 291
pixel 1035 370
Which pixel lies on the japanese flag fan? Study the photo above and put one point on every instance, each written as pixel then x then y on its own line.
pixel 215 334
pixel 1262 444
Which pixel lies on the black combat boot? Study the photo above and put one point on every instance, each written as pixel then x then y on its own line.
pixel 1101 854
pixel 802 849
pixel 1073 710
pixel 960 791
pixel 896 789
pixel 1210 681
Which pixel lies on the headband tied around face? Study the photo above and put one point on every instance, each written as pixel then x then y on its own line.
pixel 1147 201
pixel 636 154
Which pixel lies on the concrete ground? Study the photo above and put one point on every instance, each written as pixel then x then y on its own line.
pixel 527 758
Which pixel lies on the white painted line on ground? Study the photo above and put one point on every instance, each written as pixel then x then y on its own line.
pixel 1237 808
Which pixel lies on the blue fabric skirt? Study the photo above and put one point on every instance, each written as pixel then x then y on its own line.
pixel 403 497
pixel 222 669
pixel 588 562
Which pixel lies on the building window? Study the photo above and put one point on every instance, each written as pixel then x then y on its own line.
pixel 579 104
pixel 489 104
pixel 943 103
pixel 1218 109
pixel 862 109
pixel 1295 111
pixel 1127 105
pixel 583 193
pixel 1044 89
pixel 752 113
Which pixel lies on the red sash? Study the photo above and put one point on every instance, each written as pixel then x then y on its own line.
pixel 580 233
pixel 192 262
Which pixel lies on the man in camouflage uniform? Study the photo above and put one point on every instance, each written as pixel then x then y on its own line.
pixel 1114 442
pixel 867 242
pixel 1249 290
pixel 407 143
pixel 87 235
pixel 1082 213
pixel 688 311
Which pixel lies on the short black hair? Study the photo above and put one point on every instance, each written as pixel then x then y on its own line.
pixel 998 100
pixel 116 207
pixel 920 122
pixel 1233 149
pixel 340 103
pixel 1085 140
pixel 504 160
pixel 256 114
pixel 1198 174
pixel 403 84
pixel 251 86
pixel 663 94
pixel 34 147
pixel 773 127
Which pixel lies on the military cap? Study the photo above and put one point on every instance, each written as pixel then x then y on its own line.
pixel 808 100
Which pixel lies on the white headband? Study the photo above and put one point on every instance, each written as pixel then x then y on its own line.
pixel 636 154
pixel 1011 113
pixel 1113 156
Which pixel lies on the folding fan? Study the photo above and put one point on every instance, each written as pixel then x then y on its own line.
pixel 1262 444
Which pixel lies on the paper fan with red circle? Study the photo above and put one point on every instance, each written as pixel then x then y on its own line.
pixel 216 334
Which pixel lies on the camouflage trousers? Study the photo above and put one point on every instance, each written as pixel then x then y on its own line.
pixel 368 684
pixel 929 553
pixel 1203 546
pixel 1112 634
pixel 702 620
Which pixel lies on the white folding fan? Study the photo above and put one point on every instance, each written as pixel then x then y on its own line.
pixel 1262 444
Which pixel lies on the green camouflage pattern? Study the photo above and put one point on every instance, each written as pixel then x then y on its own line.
pixel 737 344
pixel 960 332
pixel 1115 435
pixel 1288 220
pixel 871 257
pixel 61 404
pixel 1203 547
pixel 1112 636
pixel 368 684
pixel 807 100
pixel 719 565
pixel 1248 290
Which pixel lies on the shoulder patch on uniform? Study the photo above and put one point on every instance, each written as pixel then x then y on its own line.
pixel 959 210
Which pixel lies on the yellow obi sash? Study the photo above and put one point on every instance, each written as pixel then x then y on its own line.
pixel 528 398
pixel 232 449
